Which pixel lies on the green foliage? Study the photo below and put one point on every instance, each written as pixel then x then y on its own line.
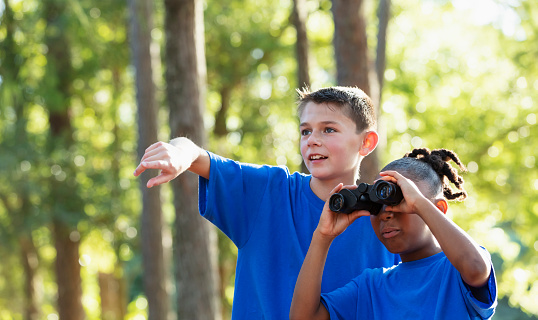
pixel 458 76
pixel 467 84
pixel 98 165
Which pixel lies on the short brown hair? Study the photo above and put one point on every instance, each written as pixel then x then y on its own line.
pixel 356 104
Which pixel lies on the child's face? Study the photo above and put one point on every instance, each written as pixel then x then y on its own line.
pixel 405 233
pixel 329 142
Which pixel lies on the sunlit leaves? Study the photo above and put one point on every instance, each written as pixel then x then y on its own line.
pixel 467 84
pixel 458 76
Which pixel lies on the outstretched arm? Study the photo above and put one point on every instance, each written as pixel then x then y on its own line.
pixel 306 302
pixel 464 253
pixel 173 159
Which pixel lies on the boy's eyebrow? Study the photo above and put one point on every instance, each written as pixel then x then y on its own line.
pixel 303 124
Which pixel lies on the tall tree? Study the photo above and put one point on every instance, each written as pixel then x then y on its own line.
pixel 141 24
pixel 301 49
pixel 352 63
pixel 299 20
pixel 195 246
pixel 383 17
pixel 65 203
pixel 16 144
pixel 350 44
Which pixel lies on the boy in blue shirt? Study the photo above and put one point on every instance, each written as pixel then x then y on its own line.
pixel 270 213
pixel 444 274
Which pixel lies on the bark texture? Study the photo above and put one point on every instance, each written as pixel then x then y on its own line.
pixel 195 241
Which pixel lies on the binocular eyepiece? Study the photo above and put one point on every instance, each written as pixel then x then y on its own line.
pixel 366 197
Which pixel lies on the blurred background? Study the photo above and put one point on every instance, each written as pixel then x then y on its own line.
pixel 86 86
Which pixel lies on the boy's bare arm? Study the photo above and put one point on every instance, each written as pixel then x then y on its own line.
pixel 174 158
pixel 463 252
pixel 306 302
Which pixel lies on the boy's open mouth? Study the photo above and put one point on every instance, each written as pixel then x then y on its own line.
pixel 317 157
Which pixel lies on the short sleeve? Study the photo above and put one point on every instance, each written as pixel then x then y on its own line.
pixel 483 300
pixel 342 303
pixel 233 195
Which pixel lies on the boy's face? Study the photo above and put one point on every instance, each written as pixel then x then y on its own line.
pixel 329 142
pixel 405 233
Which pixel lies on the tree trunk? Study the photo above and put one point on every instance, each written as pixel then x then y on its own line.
pixel 154 277
pixel 195 241
pixel 383 16
pixel 113 288
pixel 10 70
pixel 220 129
pixel 350 44
pixel 65 202
pixel 299 20
pixel 30 262
pixel 68 273
pixel 301 49
pixel 112 293
pixel 352 63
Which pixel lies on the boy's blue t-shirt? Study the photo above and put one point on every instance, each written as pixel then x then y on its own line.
pixel 428 289
pixel 271 215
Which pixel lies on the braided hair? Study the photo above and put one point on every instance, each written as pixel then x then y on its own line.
pixel 433 167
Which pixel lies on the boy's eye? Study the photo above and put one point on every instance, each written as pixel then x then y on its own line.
pixel 305 132
pixel 329 130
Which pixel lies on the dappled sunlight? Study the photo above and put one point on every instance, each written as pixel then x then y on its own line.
pixel 459 74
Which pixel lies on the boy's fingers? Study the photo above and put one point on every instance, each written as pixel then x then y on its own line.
pixel 147 152
pixel 160 179
pixel 153 146
pixel 153 150
pixel 139 170
pixel 159 164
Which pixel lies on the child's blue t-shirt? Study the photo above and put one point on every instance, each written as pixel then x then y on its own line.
pixel 271 215
pixel 428 289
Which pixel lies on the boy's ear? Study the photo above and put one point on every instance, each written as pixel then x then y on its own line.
pixel 369 143
pixel 442 205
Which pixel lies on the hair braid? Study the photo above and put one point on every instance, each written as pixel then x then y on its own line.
pixel 438 160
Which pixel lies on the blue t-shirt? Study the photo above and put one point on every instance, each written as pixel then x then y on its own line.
pixel 428 289
pixel 271 215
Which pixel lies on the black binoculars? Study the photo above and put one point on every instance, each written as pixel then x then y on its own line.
pixel 366 197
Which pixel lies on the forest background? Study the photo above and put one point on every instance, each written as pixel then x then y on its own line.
pixel 86 86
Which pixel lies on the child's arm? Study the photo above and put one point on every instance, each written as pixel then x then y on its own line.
pixel 172 159
pixel 464 253
pixel 306 302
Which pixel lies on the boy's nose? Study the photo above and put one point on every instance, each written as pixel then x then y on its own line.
pixel 314 139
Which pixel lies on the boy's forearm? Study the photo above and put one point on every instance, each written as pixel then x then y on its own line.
pixel 462 251
pixel 306 297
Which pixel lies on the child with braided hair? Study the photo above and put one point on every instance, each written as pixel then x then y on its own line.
pixel 444 273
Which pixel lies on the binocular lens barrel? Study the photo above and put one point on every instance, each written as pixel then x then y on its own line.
pixel 366 197
pixel 336 202
pixel 385 191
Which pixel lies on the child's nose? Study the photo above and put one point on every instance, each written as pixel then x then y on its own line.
pixel 384 214
pixel 314 139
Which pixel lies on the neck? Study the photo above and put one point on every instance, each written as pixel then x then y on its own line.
pixel 323 188
pixel 421 254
